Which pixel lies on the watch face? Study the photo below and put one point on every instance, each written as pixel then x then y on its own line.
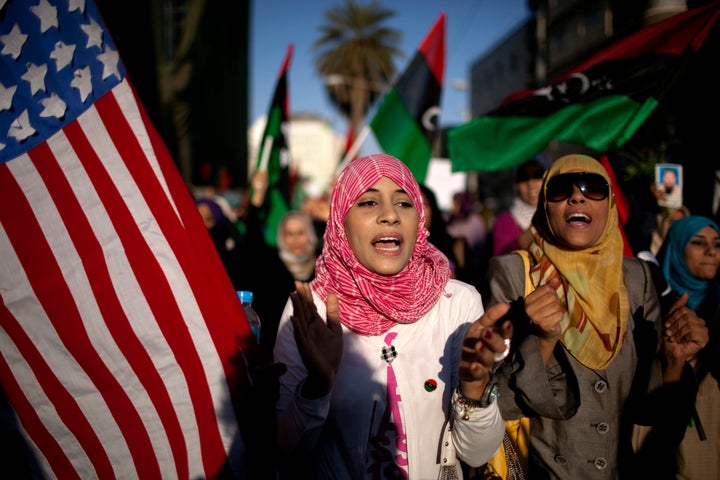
pixel 490 396
pixel 494 394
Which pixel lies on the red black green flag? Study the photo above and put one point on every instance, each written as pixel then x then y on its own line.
pixel 406 122
pixel 623 206
pixel 599 104
pixel 273 156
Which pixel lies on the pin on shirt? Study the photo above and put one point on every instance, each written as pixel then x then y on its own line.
pixel 389 353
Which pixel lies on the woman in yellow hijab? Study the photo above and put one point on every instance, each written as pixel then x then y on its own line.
pixel 587 346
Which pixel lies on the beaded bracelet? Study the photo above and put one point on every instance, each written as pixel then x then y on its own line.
pixel 469 406
pixel 468 409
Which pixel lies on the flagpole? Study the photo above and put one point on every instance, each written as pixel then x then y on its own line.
pixel 354 148
pixel 267 145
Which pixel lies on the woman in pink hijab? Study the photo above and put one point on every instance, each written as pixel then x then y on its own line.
pixel 389 361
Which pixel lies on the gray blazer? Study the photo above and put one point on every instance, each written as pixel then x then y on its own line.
pixel 581 419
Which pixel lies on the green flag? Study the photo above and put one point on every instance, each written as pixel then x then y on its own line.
pixel 599 104
pixel 273 156
pixel 405 124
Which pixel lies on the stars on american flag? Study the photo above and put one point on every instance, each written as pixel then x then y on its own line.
pixel 20 128
pixel 54 106
pixel 110 60
pixel 13 42
pixel 94 33
pixel 35 76
pixel 83 82
pixel 6 95
pixel 47 15
pixel 63 55
pixel 53 74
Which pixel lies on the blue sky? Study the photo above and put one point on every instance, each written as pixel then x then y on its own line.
pixel 472 28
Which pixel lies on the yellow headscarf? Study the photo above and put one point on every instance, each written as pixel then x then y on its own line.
pixel 593 289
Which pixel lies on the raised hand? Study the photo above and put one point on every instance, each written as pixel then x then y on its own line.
pixel 482 343
pixel 320 343
pixel 260 185
pixel 544 309
pixel 685 334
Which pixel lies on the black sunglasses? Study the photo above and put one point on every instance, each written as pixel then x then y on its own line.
pixel 592 185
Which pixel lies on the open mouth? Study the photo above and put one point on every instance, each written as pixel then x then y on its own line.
pixel 578 217
pixel 387 243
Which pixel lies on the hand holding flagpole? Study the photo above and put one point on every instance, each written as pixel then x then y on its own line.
pixel 274 189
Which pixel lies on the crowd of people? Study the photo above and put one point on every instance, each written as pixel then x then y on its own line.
pixel 417 343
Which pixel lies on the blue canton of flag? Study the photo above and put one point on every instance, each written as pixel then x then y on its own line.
pixel 48 75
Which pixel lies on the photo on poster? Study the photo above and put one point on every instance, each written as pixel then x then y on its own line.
pixel 669 183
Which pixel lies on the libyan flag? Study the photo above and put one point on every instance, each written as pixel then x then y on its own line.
pixel 273 156
pixel 406 122
pixel 600 104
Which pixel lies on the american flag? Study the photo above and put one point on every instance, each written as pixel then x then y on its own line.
pixel 119 329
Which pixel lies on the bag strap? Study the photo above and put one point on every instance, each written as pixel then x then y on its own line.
pixel 527 263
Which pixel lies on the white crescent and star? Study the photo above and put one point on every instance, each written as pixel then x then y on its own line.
pixel 428 116
pixel 560 90
pixel 584 81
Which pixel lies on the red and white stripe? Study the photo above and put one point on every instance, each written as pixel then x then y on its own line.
pixel 118 324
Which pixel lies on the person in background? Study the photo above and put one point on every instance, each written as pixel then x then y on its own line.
pixel 511 229
pixel 317 208
pixel 228 242
pixel 437 228
pixel 586 363
pixel 465 222
pixel 468 228
pixel 388 359
pixel 664 219
pixel 689 258
pixel 267 273
pixel 297 244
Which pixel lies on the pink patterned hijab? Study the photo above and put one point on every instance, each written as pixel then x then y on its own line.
pixel 370 304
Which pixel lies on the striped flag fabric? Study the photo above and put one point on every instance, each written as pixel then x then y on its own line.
pixel 599 104
pixel 274 156
pixel 621 202
pixel 119 331
pixel 405 124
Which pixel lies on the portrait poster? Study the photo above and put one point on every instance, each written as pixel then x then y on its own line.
pixel 669 184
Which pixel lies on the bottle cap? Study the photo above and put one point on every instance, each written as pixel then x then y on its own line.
pixel 245 296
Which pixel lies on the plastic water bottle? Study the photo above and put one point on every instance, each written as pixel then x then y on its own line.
pixel 246 298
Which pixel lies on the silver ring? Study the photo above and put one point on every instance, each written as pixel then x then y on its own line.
pixel 503 355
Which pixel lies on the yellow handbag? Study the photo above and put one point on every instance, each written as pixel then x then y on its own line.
pixel 510 462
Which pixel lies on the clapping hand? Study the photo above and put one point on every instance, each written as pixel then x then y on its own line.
pixel 320 344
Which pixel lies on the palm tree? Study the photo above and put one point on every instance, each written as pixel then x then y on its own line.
pixel 355 59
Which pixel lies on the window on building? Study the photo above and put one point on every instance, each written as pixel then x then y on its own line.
pixel 499 70
pixel 514 62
